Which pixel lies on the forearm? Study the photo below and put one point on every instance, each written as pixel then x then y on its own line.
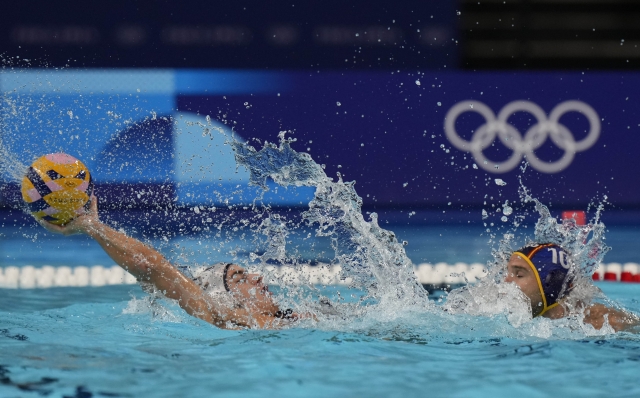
pixel 134 256
pixel 618 320
pixel 623 321
pixel 148 265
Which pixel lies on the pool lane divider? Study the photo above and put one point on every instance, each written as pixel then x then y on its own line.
pixel 616 272
pixel 31 277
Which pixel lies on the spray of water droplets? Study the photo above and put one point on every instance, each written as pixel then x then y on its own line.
pixel 371 258
pixel 375 262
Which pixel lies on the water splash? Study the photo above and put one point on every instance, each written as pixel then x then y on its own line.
pixel 371 257
pixel 376 263
pixel 585 243
pixel 492 297
pixel 10 165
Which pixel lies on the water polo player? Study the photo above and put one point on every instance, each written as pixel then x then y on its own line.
pixel 542 273
pixel 224 295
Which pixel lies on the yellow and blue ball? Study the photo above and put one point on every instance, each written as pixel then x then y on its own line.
pixel 57 188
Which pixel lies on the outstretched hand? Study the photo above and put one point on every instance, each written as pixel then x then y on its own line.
pixel 78 225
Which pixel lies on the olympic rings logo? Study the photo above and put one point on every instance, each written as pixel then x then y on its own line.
pixel 510 137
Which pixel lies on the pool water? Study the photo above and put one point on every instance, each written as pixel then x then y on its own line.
pixel 99 342
pixel 113 341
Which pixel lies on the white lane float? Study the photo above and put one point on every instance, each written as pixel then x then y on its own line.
pixel 42 277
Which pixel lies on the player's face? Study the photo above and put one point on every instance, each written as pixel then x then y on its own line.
pixel 250 290
pixel 520 273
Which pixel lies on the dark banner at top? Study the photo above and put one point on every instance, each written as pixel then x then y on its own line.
pixel 249 34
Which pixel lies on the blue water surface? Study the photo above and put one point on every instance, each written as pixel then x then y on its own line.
pixel 88 344
pixel 108 341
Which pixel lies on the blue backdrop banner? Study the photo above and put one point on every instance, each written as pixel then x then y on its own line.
pixel 450 140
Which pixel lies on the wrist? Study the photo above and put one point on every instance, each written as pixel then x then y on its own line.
pixel 93 228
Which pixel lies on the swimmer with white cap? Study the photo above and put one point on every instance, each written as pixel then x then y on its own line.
pixel 542 274
pixel 224 295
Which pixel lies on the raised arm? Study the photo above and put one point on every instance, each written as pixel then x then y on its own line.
pixel 148 265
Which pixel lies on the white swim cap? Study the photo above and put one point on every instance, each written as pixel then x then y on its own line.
pixel 212 279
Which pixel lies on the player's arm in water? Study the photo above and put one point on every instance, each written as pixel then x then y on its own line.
pixel 147 265
pixel 596 314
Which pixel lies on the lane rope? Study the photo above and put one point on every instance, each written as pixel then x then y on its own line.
pixel 42 277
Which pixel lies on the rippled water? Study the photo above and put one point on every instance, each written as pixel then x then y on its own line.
pixel 99 341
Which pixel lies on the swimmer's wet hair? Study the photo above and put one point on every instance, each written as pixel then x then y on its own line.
pixel 549 263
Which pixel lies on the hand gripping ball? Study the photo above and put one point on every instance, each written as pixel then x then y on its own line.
pixel 57 188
